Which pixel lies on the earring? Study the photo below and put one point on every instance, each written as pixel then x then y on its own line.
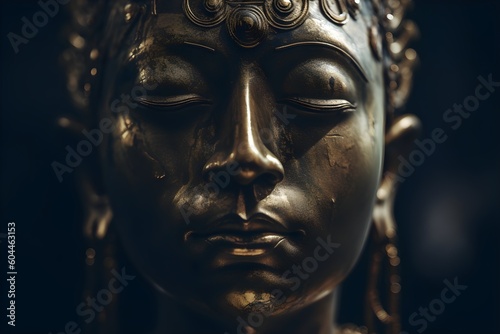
pixel 100 256
pixel 384 252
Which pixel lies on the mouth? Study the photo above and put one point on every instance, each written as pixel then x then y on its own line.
pixel 244 238
pixel 246 244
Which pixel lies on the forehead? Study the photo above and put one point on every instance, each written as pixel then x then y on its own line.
pixel 181 23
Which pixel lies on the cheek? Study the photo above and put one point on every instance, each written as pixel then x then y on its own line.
pixel 135 175
pixel 363 153
pixel 149 158
pixel 143 172
pixel 346 160
pixel 131 156
pixel 145 166
pixel 354 153
pixel 347 164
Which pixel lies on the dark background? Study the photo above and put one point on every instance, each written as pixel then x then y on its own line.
pixel 448 210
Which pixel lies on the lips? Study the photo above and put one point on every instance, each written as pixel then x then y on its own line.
pixel 246 244
pixel 253 237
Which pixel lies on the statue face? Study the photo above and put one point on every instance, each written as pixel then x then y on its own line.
pixel 247 156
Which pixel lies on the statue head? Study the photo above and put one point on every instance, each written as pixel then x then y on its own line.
pixel 247 142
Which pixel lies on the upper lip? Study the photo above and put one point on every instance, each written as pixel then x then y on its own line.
pixel 234 224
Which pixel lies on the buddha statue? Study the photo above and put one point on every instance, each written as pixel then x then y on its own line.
pixel 244 153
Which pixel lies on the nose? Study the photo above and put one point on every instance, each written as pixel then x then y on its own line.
pixel 241 150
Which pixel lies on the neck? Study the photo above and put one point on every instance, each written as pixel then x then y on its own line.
pixel 316 318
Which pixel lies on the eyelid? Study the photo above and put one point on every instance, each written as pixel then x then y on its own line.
pixel 322 105
pixel 172 102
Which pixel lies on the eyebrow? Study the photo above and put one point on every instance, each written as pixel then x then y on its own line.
pixel 160 51
pixel 200 46
pixel 343 52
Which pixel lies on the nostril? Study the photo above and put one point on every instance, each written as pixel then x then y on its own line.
pixel 274 171
pixel 270 178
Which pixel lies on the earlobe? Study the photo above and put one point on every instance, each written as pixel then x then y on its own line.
pixel 399 140
pixel 96 207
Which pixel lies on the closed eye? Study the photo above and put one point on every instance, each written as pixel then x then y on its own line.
pixel 173 103
pixel 321 105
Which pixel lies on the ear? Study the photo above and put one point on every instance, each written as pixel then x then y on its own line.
pixel 96 206
pixel 399 140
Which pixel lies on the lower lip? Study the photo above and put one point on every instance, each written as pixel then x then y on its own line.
pixel 254 245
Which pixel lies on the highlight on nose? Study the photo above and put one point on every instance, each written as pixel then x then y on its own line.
pixel 241 150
